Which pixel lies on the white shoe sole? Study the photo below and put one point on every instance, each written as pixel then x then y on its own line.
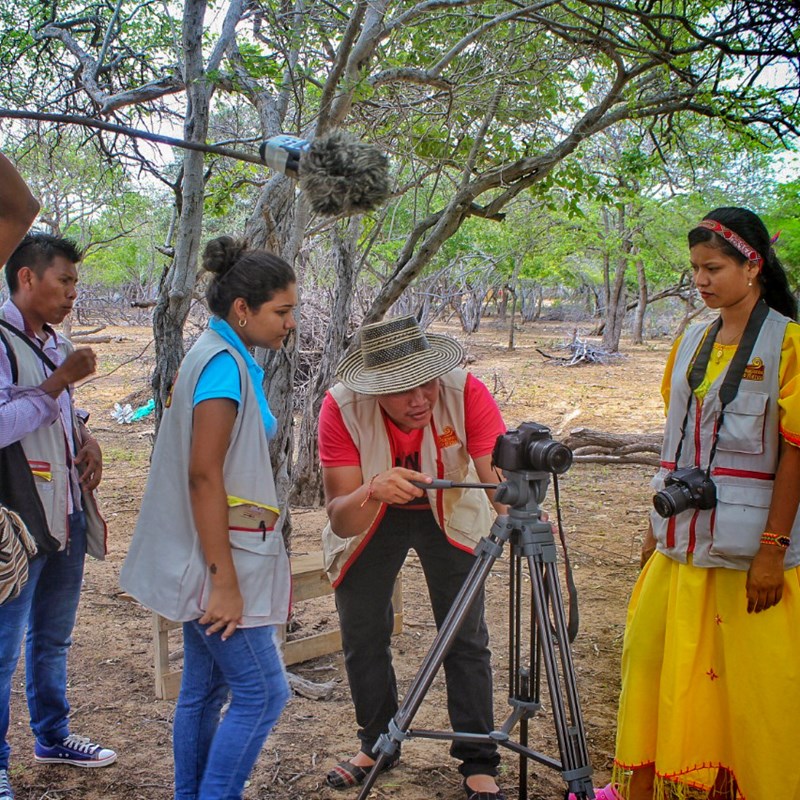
pixel 70 763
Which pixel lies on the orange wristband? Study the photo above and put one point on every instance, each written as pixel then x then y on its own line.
pixel 768 537
pixel 369 492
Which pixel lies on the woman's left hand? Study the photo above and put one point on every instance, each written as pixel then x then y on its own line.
pixel 765 579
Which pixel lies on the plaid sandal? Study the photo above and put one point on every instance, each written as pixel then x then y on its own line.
pixel 345 775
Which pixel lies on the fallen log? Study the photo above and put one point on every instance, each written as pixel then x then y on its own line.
pixel 310 689
pixel 93 339
pixel 88 331
pixel 603 447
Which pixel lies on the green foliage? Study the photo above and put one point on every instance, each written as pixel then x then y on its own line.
pixel 782 216
pixel 454 95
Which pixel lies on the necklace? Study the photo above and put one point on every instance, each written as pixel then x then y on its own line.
pixel 719 345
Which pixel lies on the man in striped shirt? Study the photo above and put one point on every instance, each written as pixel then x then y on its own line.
pixel 37 370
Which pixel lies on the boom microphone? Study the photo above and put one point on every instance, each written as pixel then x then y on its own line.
pixel 338 173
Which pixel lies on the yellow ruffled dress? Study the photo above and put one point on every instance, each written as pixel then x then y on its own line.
pixel 705 685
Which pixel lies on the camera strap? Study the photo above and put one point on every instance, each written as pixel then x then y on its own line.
pixel 733 377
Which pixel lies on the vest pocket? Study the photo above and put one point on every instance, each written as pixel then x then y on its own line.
pixel 255 558
pixel 739 519
pixel 43 479
pixel 469 519
pixel 742 428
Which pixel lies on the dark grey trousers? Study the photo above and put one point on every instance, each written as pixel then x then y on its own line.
pixel 366 617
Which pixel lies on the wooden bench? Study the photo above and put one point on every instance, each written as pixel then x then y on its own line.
pixel 308 581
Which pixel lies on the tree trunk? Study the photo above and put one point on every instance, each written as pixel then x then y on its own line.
pixel 511 331
pixel 617 300
pixel 501 296
pixel 641 306
pixel 308 490
pixel 279 370
pixel 472 309
pixel 277 226
pixel 175 295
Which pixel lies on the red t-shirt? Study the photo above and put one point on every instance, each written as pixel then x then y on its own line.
pixel 482 417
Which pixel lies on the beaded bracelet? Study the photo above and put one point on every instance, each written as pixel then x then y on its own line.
pixel 777 539
pixel 369 492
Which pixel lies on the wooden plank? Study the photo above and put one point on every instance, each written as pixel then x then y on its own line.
pixel 318 644
pixel 309 578
pixel 310 562
pixel 165 624
pixel 170 685
pixel 160 652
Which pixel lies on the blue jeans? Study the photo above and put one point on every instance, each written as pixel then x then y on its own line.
pixel 46 607
pixel 213 759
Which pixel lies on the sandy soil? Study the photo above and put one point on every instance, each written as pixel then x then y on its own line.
pixel 604 509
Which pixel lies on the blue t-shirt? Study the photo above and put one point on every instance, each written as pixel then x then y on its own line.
pixel 219 378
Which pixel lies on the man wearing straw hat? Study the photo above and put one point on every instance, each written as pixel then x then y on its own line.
pixel 405 411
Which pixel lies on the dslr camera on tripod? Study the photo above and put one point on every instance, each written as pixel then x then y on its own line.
pixel 530 447
pixel 690 487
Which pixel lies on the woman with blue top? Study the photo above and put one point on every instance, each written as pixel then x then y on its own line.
pixel 207 550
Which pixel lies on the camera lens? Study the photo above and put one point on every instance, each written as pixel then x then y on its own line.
pixel 672 501
pixel 549 456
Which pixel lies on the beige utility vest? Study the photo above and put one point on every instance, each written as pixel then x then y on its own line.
pixel 49 456
pixel 165 568
pixel 744 466
pixel 465 515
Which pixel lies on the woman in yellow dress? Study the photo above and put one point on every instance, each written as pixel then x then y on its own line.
pixel 711 659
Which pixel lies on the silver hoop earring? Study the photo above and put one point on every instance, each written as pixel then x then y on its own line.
pixel 242 323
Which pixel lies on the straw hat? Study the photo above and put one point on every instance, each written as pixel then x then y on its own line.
pixel 395 356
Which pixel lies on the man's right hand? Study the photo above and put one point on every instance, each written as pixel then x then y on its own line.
pixel 76 366
pixel 395 485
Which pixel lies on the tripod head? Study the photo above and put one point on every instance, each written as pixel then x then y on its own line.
pixel 527 455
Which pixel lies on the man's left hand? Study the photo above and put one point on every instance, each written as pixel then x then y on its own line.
pixel 90 461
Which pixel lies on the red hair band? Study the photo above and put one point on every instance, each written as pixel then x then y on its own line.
pixel 750 253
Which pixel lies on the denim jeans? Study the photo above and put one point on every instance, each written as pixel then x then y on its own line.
pixel 366 618
pixel 46 607
pixel 213 759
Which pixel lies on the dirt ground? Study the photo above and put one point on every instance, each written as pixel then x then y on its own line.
pixel 604 510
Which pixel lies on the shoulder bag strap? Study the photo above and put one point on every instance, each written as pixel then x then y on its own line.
pixel 45 359
pixel 12 359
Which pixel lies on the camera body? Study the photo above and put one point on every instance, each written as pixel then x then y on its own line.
pixel 689 487
pixel 531 447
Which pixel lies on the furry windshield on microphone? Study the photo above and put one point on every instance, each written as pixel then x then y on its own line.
pixel 342 175
pixel 338 173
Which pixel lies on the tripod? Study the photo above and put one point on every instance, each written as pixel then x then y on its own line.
pixel 531 540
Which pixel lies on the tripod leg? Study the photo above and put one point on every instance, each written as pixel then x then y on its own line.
pixel 552 628
pixel 486 553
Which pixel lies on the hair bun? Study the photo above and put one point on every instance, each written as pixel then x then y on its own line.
pixel 222 253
